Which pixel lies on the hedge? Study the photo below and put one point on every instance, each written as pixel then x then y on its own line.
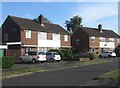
pixel 7 62
pixel 92 55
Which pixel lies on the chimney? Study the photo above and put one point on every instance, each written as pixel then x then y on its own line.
pixel 100 28
pixel 81 25
pixel 41 19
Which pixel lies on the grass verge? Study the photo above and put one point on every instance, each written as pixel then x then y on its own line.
pixel 114 75
pixel 20 72
pixel 94 61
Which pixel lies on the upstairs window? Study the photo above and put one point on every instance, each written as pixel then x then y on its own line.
pixel 102 39
pixel 56 36
pixel 65 38
pixel 118 40
pixel 42 35
pixel 28 34
pixel 77 41
pixel 93 38
pixel 111 40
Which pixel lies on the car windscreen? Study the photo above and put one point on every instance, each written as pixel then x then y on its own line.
pixel 41 53
pixel 32 53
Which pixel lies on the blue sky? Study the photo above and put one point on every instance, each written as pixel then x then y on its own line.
pixel 93 13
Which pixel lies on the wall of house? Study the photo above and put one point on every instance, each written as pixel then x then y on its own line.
pixel 94 43
pixel 83 44
pixel 29 41
pixel 49 36
pixel 12 29
pixel 65 43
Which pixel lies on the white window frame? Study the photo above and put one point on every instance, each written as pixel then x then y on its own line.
pixel 42 35
pixel 28 33
pixel 56 36
pixel 102 39
pixel 118 40
pixel 111 39
pixel 77 41
pixel 93 38
pixel 65 38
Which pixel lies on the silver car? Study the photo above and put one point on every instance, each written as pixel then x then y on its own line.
pixel 53 56
pixel 33 56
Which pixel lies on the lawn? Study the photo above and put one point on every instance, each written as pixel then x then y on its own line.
pixel 111 75
pixel 94 61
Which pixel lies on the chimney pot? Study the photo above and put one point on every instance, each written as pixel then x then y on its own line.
pixel 41 19
pixel 100 28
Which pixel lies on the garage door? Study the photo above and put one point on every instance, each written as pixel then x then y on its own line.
pixel 1 52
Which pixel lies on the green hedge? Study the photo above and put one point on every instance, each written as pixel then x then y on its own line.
pixel 7 62
pixel 92 55
pixel 68 54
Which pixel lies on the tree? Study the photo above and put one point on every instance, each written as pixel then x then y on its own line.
pixel 117 51
pixel 73 23
pixel 45 20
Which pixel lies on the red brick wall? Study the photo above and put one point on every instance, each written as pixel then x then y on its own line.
pixel 29 41
pixel 65 43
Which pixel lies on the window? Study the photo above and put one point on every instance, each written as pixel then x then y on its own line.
pixel 56 36
pixel 102 39
pixel 77 41
pixel 42 35
pixel 66 38
pixel 6 37
pixel 118 40
pixel 111 39
pixel 93 38
pixel 28 34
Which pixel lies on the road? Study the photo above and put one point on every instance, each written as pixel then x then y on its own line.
pixel 64 77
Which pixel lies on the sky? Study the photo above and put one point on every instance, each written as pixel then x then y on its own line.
pixel 92 13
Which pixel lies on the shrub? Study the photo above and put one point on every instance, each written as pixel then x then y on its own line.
pixel 68 54
pixel 92 55
pixel 7 62
pixel 117 51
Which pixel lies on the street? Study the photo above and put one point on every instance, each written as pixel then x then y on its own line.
pixel 75 76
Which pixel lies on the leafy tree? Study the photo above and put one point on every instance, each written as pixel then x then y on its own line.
pixel 46 20
pixel 73 23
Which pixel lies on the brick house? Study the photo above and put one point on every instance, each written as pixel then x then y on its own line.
pixel 23 35
pixel 94 39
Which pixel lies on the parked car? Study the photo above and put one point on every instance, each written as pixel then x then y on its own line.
pixel 108 54
pixel 53 56
pixel 34 56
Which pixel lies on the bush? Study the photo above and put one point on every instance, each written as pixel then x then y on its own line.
pixel 92 55
pixel 7 62
pixel 117 51
pixel 68 54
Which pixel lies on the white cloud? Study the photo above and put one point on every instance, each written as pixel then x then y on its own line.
pixel 94 12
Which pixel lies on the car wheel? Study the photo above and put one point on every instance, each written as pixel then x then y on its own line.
pixel 21 60
pixel 109 56
pixel 100 56
pixel 42 61
pixel 58 61
pixel 33 61
pixel 51 60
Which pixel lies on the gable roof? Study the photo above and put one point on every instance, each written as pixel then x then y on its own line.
pixel 24 23
pixel 96 32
